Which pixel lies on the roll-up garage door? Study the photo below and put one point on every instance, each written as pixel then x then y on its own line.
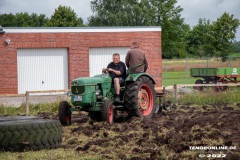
pixel 42 69
pixel 100 57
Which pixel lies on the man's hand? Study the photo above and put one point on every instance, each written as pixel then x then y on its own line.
pixel 105 70
pixel 114 71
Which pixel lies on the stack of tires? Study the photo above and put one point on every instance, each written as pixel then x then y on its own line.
pixel 23 133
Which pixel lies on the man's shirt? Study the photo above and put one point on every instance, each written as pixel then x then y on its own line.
pixel 119 67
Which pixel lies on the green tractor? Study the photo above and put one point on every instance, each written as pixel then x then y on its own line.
pixel 95 95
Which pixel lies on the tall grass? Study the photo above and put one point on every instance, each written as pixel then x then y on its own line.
pixel 34 109
pixel 211 97
pixel 208 97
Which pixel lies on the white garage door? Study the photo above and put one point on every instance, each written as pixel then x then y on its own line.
pixel 100 57
pixel 42 69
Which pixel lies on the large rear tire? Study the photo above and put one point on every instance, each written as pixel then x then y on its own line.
pixel 108 112
pixel 65 116
pixel 140 98
pixel 30 134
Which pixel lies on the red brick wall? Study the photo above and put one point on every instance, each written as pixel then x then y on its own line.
pixel 78 45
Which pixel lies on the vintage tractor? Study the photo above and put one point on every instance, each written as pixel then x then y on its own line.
pixel 95 95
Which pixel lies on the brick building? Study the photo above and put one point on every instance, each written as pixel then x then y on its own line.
pixel 49 58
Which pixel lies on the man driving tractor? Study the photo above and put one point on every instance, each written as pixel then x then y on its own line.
pixel 95 95
pixel 117 71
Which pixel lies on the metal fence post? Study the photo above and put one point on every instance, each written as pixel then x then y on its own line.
pixel 231 59
pixel 176 96
pixel 166 69
pixel 186 81
pixel 207 62
pixel 27 103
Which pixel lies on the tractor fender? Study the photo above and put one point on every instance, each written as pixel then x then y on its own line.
pixel 134 76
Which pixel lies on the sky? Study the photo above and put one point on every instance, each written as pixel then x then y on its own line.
pixel 193 10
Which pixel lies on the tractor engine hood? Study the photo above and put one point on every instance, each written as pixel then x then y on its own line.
pixel 98 79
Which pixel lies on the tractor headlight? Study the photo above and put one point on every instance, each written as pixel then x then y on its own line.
pixel 98 92
pixel 69 93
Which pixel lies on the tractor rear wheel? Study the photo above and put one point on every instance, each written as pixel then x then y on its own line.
pixel 64 113
pixel 140 98
pixel 108 112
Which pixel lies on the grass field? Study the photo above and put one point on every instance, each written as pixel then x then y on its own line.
pixel 171 78
pixel 177 71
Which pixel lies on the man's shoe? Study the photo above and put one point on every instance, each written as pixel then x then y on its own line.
pixel 117 99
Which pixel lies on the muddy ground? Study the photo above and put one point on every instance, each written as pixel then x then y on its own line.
pixel 166 136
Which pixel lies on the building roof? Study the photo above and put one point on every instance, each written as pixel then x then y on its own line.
pixel 79 29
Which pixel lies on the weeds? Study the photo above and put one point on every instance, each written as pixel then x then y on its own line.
pixel 33 108
pixel 211 97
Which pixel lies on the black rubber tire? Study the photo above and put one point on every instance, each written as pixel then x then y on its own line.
pixel 115 114
pixel 65 115
pixel 30 134
pixel 96 116
pixel 198 81
pixel 15 118
pixel 131 99
pixel 108 112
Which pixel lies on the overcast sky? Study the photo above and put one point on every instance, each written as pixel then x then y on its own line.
pixel 193 9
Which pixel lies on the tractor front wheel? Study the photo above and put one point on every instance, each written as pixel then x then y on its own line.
pixel 64 113
pixel 140 98
pixel 108 112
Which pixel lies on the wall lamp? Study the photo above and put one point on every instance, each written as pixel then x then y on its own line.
pixel 7 41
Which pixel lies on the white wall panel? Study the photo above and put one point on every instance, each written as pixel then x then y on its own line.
pixel 100 57
pixel 42 69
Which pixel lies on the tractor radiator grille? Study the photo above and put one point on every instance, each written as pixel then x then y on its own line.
pixel 78 89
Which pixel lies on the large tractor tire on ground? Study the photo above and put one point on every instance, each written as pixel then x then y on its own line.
pixel 108 112
pixel 140 97
pixel 24 134
pixel 65 116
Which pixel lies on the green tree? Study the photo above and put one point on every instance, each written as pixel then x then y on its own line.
pixel 23 20
pixel 113 13
pixel 7 20
pixel 64 17
pixel 224 33
pixel 38 20
pixel 200 39
pixel 162 13
pixel 236 46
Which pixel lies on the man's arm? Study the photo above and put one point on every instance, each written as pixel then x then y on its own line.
pixel 121 70
pixel 146 63
pixel 115 71
pixel 127 59
pixel 105 70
